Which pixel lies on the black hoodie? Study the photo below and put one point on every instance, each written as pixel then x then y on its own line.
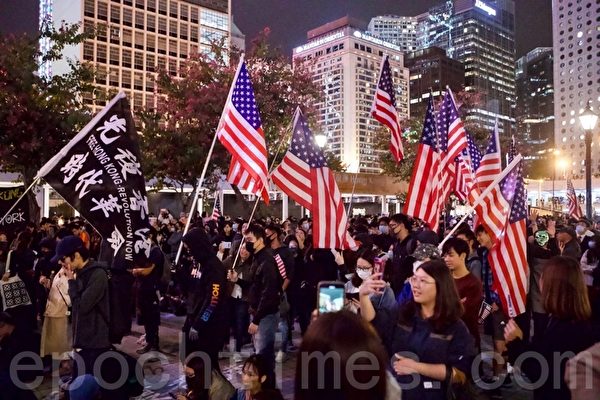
pixel 207 285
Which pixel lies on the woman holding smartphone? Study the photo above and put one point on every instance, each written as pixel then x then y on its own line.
pixel 366 265
pixel 431 345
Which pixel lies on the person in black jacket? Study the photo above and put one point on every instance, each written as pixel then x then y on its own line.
pixel 404 246
pixel 569 330
pixel 148 272
pixel 206 326
pixel 264 295
pixel 89 299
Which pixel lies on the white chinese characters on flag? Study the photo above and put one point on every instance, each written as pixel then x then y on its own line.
pixel 304 176
pixel 240 131
pixel 99 174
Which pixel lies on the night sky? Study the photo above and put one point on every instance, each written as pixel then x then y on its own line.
pixel 289 20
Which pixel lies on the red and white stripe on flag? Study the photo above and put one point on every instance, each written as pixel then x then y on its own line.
pixel 508 256
pixel 491 163
pixel 508 259
pixel 280 266
pixel 574 206
pixel 304 176
pixel 384 109
pixel 424 196
pixel 241 133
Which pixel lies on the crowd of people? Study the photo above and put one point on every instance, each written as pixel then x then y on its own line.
pixel 413 321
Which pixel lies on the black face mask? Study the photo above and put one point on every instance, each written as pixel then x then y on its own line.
pixel 250 247
pixel 268 240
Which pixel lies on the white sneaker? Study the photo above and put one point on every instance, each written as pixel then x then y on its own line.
pixel 280 357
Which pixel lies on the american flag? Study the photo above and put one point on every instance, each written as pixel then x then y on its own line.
pixel 453 136
pixel 468 163
pixel 491 162
pixel 452 141
pixel 216 214
pixel 280 266
pixel 423 192
pixel 303 174
pixel 574 206
pixel 384 109
pixel 241 133
pixel 508 257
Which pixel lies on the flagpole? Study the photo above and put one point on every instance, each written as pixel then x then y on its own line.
pixel 237 253
pixel 35 181
pixel 483 195
pixel 212 146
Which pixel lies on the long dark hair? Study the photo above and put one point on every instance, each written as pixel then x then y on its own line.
pixel 369 256
pixel 448 308
pixel 331 342
pixel 564 294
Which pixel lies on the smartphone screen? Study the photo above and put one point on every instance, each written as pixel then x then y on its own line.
pixel 379 265
pixel 331 296
pixel 226 245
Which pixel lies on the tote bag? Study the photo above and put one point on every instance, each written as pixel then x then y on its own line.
pixel 13 290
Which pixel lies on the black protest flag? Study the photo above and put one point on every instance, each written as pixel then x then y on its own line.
pixel 99 174
pixel 18 218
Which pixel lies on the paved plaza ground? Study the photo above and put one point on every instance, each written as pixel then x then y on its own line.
pixel 165 376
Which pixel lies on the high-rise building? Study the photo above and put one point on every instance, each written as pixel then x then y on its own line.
pixel 535 108
pixel 401 31
pixel 576 45
pixel 137 36
pixel 431 71
pixel 480 34
pixel 345 63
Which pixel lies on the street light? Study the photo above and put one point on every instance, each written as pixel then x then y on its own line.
pixel 588 120
pixel 321 139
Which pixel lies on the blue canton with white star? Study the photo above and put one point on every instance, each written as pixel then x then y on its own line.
pixel 428 136
pixel 243 99
pixel 473 152
pixel 303 145
pixel 385 83
pixel 446 116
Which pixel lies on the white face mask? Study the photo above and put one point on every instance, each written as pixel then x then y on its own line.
pixel 384 229
pixel 580 229
pixel 390 254
pixel 364 273
pixel 305 226
pixel 234 227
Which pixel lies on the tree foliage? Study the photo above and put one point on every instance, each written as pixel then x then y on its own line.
pixel 38 116
pixel 176 136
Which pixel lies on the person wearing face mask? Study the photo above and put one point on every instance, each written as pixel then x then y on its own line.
pixel 364 269
pixel 285 265
pixel 305 225
pixel 404 245
pixel 584 233
pixel 264 295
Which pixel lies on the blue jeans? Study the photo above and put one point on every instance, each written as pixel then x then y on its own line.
pixel 264 339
